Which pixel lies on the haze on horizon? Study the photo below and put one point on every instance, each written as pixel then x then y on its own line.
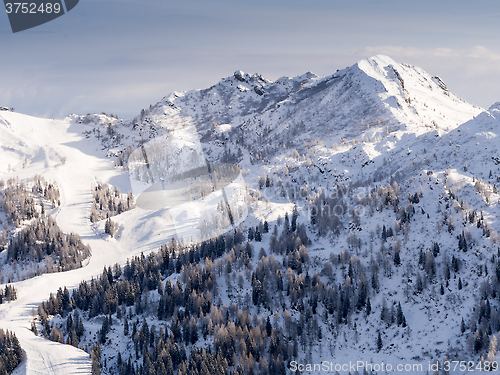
pixel 118 56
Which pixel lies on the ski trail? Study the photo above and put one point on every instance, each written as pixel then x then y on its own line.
pixel 74 179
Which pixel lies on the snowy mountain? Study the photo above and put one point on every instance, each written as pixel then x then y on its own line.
pixel 390 176
pixel 375 93
pixel 373 110
pixel 475 141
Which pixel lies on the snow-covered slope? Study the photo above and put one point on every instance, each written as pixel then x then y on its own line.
pixel 476 142
pixel 42 143
pixel 368 125
pixel 348 124
pixel 374 93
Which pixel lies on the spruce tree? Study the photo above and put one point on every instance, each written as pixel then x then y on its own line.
pixel 295 215
pixel 250 234
pixel 384 233
pixel 266 227
pixel 379 341
pixel 33 328
pixel 397 259
pixel 95 357
pixel 401 319
pixel 269 328
pixel 258 235
pixel 125 325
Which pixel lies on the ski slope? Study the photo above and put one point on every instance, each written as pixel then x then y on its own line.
pixel 84 164
pixel 375 116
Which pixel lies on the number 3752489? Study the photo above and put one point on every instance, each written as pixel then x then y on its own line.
pixel 32 8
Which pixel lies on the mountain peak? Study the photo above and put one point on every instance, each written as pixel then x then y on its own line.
pixel 495 107
pixel 252 79
pixel 382 67
pixel 374 94
pixel 377 62
pixel 411 94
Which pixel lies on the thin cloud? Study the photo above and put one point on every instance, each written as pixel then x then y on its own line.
pixel 477 52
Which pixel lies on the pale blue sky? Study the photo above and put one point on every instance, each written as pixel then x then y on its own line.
pixel 120 56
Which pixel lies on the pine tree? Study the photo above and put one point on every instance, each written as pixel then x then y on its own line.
pixel 313 213
pixel 419 284
pixel 125 325
pixel 266 227
pixel 286 224
pixel 250 234
pixel 416 198
pixel 268 181
pixel 492 349
pixel 262 181
pixel 295 215
pixel 430 265
pixel 435 249
pixel 400 318
pixel 11 353
pixel 104 329
pixel 455 265
pixel 110 227
pixel 80 330
pixel 368 306
pixel 385 315
pixel 269 328
pixel 462 242
pixel 379 341
pixel 258 235
pixel 397 259
pixel 95 357
pixel 33 328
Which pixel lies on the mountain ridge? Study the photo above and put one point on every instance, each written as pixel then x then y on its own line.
pixel 304 139
pixel 373 91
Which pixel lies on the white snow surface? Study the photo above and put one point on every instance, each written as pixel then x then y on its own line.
pixel 375 93
pixel 44 143
pixel 376 115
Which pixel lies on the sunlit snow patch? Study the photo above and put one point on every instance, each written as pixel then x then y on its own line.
pixel 170 175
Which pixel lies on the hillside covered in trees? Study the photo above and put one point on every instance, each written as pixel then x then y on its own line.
pixel 371 229
pixel 24 201
pixel 33 241
pixel 222 314
pixel 11 353
pixel 8 294
pixel 43 240
pixel 253 300
pixel 109 202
